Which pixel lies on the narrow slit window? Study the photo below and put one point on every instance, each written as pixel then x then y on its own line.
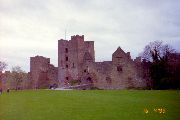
pixel 66 50
pixel 66 58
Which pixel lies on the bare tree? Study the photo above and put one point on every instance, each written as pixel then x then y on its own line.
pixel 156 51
pixel 17 75
pixel 3 65
pixel 159 55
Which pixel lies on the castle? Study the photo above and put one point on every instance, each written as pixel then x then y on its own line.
pixel 77 66
pixel 77 69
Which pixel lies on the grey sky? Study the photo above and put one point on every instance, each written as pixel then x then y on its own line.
pixel 33 27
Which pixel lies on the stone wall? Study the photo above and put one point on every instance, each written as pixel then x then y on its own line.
pixel 120 73
pixel 43 74
pixel 71 56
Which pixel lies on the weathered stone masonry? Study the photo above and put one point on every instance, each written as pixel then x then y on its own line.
pixel 77 66
pixel 42 72
pixel 71 56
pixel 76 62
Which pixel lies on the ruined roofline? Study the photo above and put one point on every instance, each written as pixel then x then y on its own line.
pixel 40 57
pixel 63 40
pixel 36 58
pixel 75 37
pixel 50 64
pixel 119 49
pixel 88 41
pixel 137 59
pixel 103 62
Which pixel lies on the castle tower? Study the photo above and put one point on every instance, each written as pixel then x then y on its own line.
pixel 38 64
pixel 71 56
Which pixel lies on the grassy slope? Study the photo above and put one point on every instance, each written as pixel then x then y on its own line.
pixel 89 105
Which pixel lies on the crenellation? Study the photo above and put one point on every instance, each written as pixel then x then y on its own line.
pixel 77 37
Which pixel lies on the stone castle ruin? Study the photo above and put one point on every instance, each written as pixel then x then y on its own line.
pixel 42 73
pixel 77 67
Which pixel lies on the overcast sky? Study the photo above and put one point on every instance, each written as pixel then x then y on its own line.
pixel 33 27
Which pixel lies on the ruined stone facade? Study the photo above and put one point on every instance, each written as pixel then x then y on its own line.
pixel 42 73
pixel 71 57
pixel 77 69
pixel 76 64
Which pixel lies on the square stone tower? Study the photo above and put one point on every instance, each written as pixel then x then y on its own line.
pixel 43 74
pixel 38 64
pixel 71 56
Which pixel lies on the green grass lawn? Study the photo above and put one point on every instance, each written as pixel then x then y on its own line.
pixel 89 105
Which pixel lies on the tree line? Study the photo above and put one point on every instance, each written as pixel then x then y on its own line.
pixel 16 79
pixel 164 68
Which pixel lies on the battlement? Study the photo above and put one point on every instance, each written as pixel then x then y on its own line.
pixel 40 58
pixel 62 40
pixel 89 42
pixel 77 37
